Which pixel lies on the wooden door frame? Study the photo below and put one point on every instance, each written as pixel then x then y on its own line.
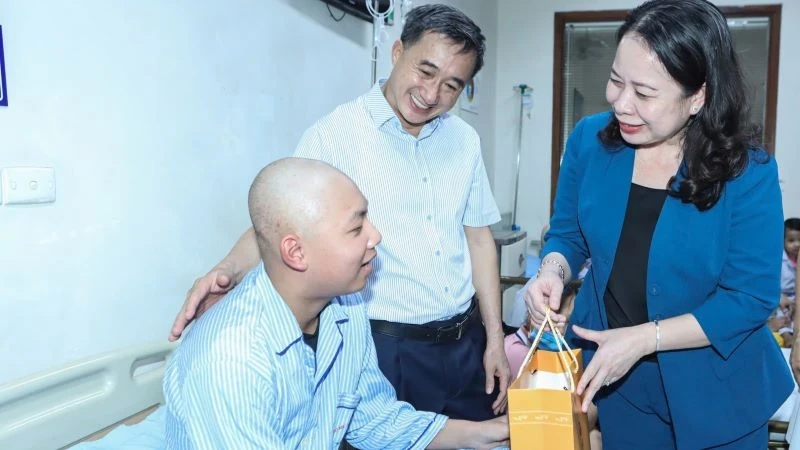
pixel 772 12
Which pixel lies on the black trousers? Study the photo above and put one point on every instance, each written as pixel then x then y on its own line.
pixel 446 378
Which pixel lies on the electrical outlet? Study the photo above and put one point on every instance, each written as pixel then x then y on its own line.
pixel 28 185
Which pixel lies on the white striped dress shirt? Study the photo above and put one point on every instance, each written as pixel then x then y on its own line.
pixel 243 378
pixel 421 192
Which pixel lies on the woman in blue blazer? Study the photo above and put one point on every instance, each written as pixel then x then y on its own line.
pixel 681 216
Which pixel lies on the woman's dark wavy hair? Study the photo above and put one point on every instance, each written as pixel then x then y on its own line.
pixel 692 40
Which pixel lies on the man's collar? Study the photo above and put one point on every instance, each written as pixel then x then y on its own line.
pixel 377 105
pixel 379 108
pixel 286 330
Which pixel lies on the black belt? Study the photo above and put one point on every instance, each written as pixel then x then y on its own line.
pixel 450 331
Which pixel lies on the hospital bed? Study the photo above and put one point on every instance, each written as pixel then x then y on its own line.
pixel 75 405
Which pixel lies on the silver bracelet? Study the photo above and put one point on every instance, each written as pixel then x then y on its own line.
pixel 658 336
pixel 552 261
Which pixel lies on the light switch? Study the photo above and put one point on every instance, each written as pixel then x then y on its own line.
pixel 28 185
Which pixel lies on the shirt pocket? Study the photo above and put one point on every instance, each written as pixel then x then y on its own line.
pixel 345 407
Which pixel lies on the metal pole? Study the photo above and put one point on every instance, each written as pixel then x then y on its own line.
pixel 375 29
pixel 522 89
pixel 374 64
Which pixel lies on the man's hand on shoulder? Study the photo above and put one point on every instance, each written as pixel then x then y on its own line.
pixel 205 292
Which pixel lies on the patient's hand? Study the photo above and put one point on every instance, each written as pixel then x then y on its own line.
pixel 492 433
pixel 205 292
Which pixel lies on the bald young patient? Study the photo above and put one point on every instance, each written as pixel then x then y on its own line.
pixel 288 360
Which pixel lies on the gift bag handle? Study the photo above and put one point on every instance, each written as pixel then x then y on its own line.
pixel 560 342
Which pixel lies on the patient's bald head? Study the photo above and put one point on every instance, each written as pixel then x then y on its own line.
pixel 312 228
pixel 290 196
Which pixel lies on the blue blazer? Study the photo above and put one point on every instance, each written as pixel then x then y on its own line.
pixel 723 265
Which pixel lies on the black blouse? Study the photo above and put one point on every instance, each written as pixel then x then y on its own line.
pixel 626 296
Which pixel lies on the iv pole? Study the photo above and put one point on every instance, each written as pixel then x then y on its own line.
pixel 522 88
pixel 375 27
pixel 374 65
pixel 378 21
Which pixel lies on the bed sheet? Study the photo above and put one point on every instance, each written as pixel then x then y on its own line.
pixel 145 435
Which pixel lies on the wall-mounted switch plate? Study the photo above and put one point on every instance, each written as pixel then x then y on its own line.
pixel 28 185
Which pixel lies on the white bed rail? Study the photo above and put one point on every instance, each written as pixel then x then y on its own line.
pixel 57 408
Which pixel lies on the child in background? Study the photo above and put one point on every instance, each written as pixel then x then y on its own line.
pixel 778 321
pixel 791 246
pixel 518 343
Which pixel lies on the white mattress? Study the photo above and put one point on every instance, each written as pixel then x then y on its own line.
pixel 145 435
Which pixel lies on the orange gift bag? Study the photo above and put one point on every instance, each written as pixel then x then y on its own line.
pixel 544 412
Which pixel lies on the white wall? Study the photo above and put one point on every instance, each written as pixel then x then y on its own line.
pixel 525 55
pixel 156 115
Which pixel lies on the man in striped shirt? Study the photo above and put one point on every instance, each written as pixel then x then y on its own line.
pixel 288 361
pixel 434 297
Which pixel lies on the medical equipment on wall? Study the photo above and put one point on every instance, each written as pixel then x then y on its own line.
pixel 405 7
pixel 378 30
pixel 525 105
